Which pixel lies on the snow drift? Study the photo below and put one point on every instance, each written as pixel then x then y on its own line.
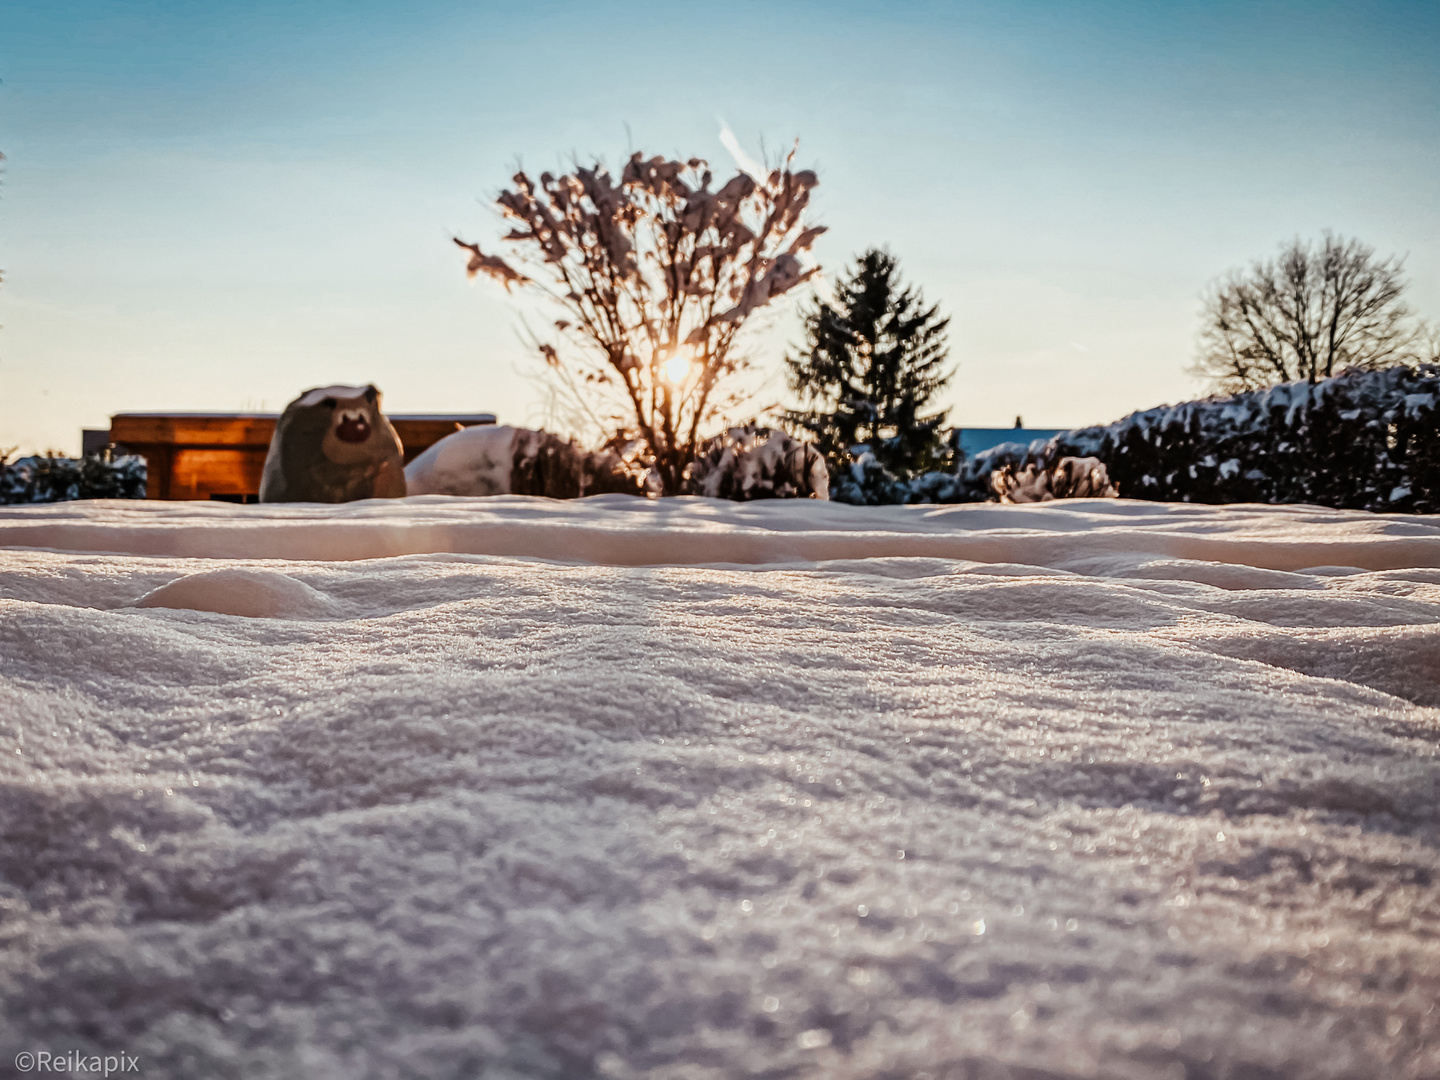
pixel 618 788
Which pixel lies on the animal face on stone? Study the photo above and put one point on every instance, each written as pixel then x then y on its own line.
pixel 353 425
pixel 333 444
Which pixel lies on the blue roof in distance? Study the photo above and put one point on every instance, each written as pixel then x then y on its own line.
pixel 975 440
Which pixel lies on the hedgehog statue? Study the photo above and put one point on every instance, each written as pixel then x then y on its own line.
pixel 333 444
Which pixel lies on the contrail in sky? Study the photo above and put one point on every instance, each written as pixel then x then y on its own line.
pixel 744 161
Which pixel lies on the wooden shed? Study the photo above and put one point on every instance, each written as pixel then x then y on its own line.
pixel 221 455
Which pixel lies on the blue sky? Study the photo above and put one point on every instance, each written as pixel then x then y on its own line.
pixel 215 206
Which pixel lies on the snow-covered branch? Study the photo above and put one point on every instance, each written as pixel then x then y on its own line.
pixel 655 273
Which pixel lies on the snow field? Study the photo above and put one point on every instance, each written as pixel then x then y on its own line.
pixel 1082 535
pixel 1097 790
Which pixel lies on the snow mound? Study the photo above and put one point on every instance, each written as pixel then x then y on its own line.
pixel 692 790
pixel 473 461
pixel 1403 661
pixel 256 594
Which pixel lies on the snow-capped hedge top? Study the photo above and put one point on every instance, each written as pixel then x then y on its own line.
pixel 59 479
pixel 1362 440
pixel 1388 395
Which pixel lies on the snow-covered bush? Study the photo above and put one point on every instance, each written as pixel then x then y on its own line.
pixel 1365 440
pixel 653 274
pixel 546 464
pixel 947 487
pixel 51 478
pixel 1068 478
pixel 490 460
pixel 743 463
pixel 753 462
pixel 866 482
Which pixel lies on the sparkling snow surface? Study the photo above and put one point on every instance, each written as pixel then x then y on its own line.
pixel 443 788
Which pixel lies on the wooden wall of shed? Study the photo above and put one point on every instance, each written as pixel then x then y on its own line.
pixel 200 457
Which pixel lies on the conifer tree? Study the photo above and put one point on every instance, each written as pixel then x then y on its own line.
pixel 873 362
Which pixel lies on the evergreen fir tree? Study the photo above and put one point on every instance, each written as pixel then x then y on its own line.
pixel 873 361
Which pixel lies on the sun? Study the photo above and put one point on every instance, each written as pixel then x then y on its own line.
pixel 676 367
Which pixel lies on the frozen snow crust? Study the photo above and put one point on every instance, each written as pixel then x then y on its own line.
pixel 443 788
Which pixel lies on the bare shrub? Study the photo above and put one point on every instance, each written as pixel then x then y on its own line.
pixel 1068 478
pixel 653 276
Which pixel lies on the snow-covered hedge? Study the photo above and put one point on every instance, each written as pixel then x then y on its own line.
pixel 58 479
pixel 1366 440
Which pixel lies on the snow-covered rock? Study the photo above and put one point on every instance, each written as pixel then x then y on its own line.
pixel 473 461
pixel 687 788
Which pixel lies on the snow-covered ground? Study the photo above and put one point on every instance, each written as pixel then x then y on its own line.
pixel 444 788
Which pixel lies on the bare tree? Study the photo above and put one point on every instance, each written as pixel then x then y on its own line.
pixel 1308 314
pixel 1429 343
pixel 655 276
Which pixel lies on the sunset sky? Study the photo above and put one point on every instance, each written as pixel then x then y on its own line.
pixel 215 206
